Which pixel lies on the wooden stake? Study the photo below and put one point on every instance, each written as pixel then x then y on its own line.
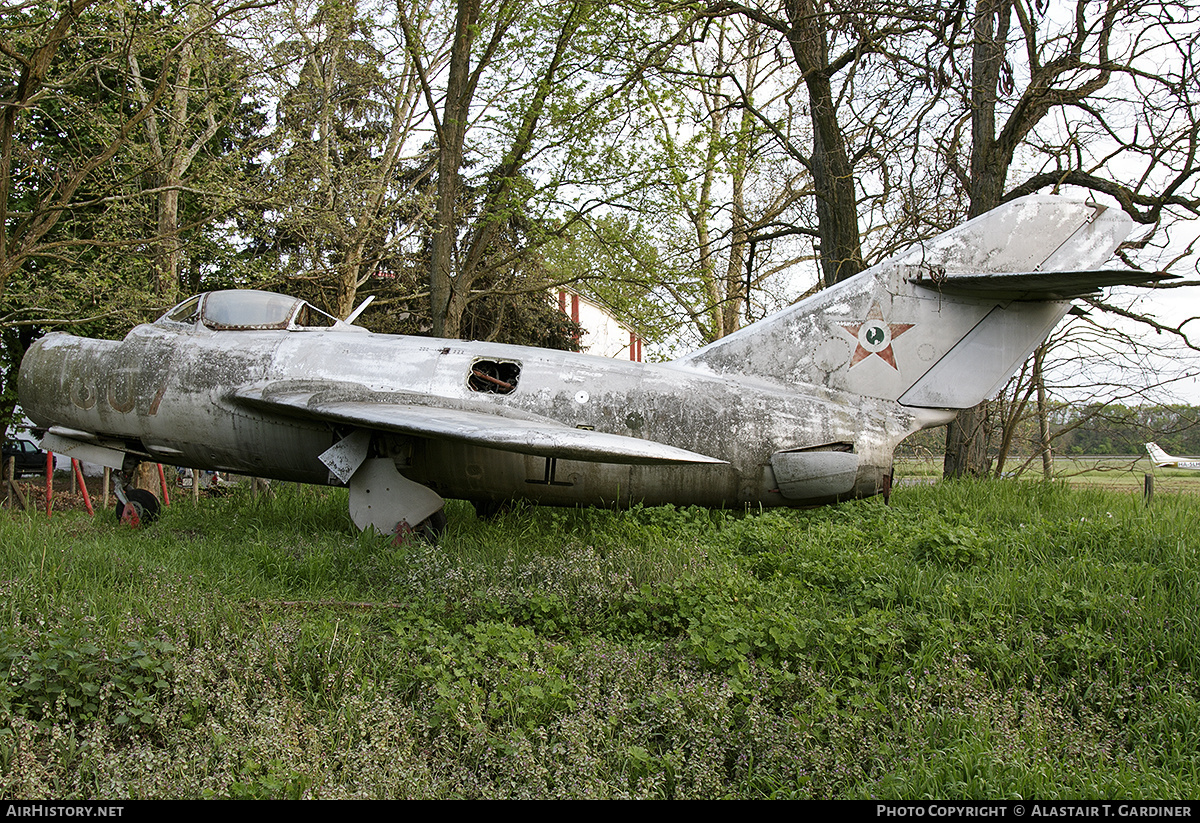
pixel 10 473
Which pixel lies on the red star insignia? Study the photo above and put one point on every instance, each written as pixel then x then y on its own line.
pixel 875 337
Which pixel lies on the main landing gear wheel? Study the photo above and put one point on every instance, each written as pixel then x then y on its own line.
pixel 491 509
pixel 433 527
pixel 142 509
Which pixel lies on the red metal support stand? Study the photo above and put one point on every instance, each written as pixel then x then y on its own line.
pixel 87 501
pixel 49 481
pixel 162 479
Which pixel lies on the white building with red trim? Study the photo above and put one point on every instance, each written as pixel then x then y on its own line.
pixel 603 335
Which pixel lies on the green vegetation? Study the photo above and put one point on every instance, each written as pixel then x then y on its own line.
pixel 1118 429
pixel 1090 430
pixel 994 640
pixel 1125 473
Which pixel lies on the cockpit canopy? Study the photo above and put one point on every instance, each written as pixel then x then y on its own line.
pixel 249 309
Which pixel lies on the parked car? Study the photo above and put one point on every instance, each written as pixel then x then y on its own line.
pixel 29 458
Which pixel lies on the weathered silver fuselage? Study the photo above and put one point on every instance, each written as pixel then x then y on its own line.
pixel 167 392
pixel 801 408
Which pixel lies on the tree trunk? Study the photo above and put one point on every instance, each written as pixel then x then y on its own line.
pixel 968 437
pixel 833 176
pixel 445 309
pixel 735 291
pixel 1043 414
pixel 967 441
pixel 837 209
pixel 168 240
pixel 145 477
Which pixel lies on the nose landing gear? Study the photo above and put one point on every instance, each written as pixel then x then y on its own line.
pixel 135 507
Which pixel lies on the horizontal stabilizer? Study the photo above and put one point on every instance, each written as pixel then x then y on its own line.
pixel 1034 233
pixel 542 437
pixel 1036 285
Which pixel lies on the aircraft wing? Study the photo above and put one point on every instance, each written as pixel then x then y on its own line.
pixel 537 436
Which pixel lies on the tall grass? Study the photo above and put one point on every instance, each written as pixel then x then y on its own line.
pixel 1004 639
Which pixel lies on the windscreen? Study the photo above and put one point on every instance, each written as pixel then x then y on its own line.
pixel 245 309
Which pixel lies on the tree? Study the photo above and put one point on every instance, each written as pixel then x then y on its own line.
pixel 526 128
pixel 348 173
pixel 191 138
pixel 839 52
pixel 83 83
pixel 61 57
pixel 615 262
pixel 1099 99
pixel 30 54
pixel 735 192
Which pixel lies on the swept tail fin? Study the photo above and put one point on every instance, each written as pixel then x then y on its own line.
pixel 944 323
pixel 1158 456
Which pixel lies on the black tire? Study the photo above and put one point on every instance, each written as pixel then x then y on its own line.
pixel 432 527
pixel 144 502
pixel 491 509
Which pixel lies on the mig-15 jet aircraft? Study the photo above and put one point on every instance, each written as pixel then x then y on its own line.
pixel 1165 461
pixel 804 407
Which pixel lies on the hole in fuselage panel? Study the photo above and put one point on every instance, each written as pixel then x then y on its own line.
pixel 494 376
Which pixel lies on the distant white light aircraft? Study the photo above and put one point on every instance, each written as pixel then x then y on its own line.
pixel 1165 461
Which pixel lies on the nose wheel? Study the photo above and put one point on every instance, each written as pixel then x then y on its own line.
pixel 135 507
